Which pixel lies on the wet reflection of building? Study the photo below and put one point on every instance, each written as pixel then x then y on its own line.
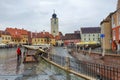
pixel 29 70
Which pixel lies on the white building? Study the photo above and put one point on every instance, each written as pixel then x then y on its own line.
pixel 90 34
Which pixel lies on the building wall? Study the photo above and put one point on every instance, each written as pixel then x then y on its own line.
pixel 53 42
pixel 6 39
pixel 114 20
pixel 24 39
pixel 16 41
pixel 107 40
pixel 67 42
pixel 36 41
pixel 116 30
pixel 0 39
pixel 90 37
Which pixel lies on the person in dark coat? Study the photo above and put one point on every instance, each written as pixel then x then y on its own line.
pixel 18 54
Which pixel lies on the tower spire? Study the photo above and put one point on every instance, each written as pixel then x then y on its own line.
pixel 53 10
pixel 54 15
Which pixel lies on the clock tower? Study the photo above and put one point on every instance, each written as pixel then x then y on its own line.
pixel 54 25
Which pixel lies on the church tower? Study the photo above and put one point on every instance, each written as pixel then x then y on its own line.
pixel 54 25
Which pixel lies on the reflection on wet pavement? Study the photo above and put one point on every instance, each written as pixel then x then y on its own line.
pixel 10 69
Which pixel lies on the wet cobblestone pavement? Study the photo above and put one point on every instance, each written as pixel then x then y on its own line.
pixel 10 69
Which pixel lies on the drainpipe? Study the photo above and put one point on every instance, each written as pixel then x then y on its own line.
pixel 118 47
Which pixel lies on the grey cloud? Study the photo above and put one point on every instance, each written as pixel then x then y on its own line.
pixel 72 14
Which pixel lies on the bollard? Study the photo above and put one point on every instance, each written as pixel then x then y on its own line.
pixel 89 50
pixel 67 63
pixel 68 77
pixel 48 56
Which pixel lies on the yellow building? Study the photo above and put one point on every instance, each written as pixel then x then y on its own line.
pixel 42 38
pixel 18 36
pixel 24 39
pixel 5 37
pixel 53 41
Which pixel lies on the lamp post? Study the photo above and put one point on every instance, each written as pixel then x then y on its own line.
pixel 103 44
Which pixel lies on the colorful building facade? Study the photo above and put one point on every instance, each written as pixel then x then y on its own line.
pixel 106 30
pixel 90 34
pixel 115 22
pixel 42 38
pixel 18 36
pixel 71 38
pixel 5 37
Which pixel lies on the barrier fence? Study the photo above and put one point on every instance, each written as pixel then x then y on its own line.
pixel 98 71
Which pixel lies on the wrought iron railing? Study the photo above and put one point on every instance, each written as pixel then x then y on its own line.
pixel 98 71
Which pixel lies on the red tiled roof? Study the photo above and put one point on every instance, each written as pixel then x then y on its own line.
pixel 16 33
pixel 42 35
pixel 71 36
pixel 4 33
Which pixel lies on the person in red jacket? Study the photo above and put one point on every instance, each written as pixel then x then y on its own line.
pixel 18 53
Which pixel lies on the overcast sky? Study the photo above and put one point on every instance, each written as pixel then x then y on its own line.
pixel 34 15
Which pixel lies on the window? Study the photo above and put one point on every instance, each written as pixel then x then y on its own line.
pixel 8 38
pixel 113 34
pixel 55 22
pixel 3 38
pixel 54 31
pixel 84 35
pixel 98 35
pixel 98 39
pixel 119 19
pixel 113 21
pixel 84 39
pixel 45 40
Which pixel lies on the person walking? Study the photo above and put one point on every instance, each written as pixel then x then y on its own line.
pixel 18 53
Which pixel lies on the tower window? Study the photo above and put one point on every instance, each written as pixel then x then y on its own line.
pixel 55 22
pixel 53 31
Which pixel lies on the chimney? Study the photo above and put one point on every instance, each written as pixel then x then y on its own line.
pixel 118 4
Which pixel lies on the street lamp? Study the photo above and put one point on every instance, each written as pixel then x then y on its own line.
pixel 103 42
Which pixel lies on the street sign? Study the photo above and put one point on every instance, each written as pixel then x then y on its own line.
pixel 102 35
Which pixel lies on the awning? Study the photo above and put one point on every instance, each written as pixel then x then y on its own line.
pixel 87 43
